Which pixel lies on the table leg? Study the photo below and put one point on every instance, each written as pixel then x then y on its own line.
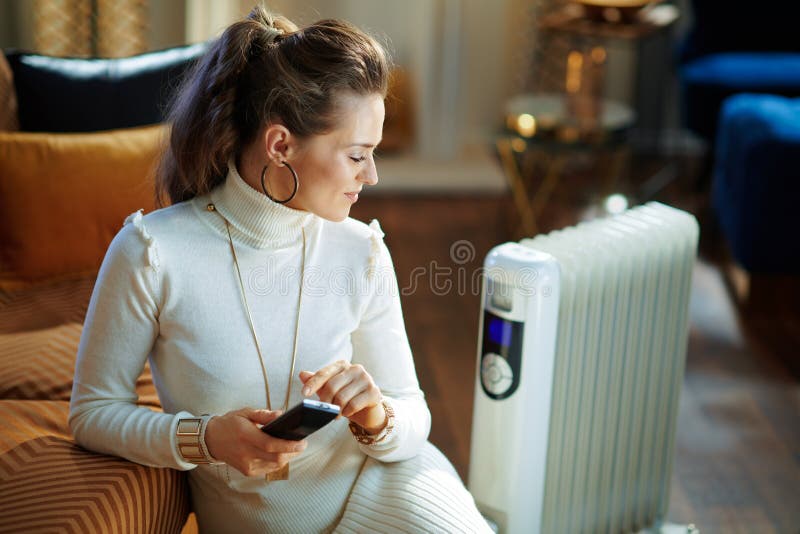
pixel 554 165
pixel 519 191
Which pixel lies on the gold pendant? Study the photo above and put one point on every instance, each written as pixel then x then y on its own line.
pixel 280 474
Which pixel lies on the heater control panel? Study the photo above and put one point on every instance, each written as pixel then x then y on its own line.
pixel 501 355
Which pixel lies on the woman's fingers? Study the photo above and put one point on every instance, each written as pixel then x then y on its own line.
pixel 270 444
pixel 261 417
pixel 263 442
pixel 258 463
pixel 336 383
pixel 319 379
pixel 236 439
pixel 330 380
pixel 367 398
pixel 305 375
pixel 344 396
pixel 278 458
pixel 284 458
pixel 351 388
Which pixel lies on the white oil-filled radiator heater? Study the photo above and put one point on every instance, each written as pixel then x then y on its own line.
pixel 581 356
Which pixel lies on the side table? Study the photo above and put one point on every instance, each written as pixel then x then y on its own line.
pixel 649 32
pixel 542 132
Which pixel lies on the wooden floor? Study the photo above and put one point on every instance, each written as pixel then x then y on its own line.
pixel 737 464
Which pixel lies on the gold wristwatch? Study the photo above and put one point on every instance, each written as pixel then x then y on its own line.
pixel 190 436
pixel 362 436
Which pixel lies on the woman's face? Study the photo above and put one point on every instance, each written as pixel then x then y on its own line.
pixel 334 167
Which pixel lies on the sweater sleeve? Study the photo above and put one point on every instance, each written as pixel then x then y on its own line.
pixel 119 331
pixel 381 345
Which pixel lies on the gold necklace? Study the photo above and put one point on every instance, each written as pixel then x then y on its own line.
pixel 282 473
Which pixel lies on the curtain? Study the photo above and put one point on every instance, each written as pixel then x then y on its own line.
pixel 91 28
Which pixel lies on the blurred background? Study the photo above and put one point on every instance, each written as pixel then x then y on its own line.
pixel 509 118
pixel 459 62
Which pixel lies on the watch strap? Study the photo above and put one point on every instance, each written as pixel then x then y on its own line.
pixel 365 438
pixel 190 438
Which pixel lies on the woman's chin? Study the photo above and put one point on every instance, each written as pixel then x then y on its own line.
pixel 328 212
pixel 334 216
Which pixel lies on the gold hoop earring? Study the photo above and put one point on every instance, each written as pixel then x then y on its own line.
pixel 264 186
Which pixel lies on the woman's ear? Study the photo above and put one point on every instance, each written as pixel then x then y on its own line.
pixel 278 141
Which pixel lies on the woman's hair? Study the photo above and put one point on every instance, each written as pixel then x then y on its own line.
pixel 262 69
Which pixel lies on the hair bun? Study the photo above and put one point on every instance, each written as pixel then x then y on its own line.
pixel 273 26
pixel 271 32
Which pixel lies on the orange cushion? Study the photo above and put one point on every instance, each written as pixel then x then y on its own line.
pixel 8 97
pixel 50 484
pixel 40 328
pixel 63 197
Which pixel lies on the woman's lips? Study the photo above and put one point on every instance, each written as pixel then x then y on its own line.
pixel 352 196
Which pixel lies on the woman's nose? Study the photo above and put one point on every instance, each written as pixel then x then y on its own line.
pixel 369 175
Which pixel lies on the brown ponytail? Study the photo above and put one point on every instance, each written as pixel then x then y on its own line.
pixel 260 70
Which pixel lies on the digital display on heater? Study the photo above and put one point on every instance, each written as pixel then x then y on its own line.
pixel 501 355
pixel 499 331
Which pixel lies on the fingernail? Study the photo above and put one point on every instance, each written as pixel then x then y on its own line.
pixel 306 391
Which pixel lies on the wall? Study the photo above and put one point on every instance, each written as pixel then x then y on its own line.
pixel 16 21
pixel 167 24
pixel 457 53
pixel 8 26
pixel 411 30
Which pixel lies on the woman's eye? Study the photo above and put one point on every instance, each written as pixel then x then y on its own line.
pixel 358 160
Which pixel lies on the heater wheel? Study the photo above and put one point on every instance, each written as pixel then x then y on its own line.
pixel 496 374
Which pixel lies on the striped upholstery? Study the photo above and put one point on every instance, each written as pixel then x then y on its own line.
pixel 47 482
pixel 39 333
pixel 50 484
pixel 44 305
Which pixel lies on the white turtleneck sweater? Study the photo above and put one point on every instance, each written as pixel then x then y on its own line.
pixel 168 292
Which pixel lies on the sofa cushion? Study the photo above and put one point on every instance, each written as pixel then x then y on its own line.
pixel 756 186
pixel 40 364
pixel 82 95
pixel 63 197
pixel 707 81
pixel 8 98
pixel 40 329
pixel 747 71
pixel 50 484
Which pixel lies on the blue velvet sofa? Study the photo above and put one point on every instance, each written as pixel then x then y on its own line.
pixel 756 182
pixel 733 47
pixel 739 70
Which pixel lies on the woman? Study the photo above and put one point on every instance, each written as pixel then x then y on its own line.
pixel 254 289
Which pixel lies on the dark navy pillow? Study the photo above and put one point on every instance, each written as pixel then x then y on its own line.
pixel 82 95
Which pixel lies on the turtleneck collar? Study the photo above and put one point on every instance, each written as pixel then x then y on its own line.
pixel 259 221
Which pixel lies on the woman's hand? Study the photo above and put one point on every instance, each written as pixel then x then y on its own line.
pixel 235 439
pixel 352 389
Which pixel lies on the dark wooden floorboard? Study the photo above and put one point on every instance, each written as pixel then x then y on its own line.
pixel 737 453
